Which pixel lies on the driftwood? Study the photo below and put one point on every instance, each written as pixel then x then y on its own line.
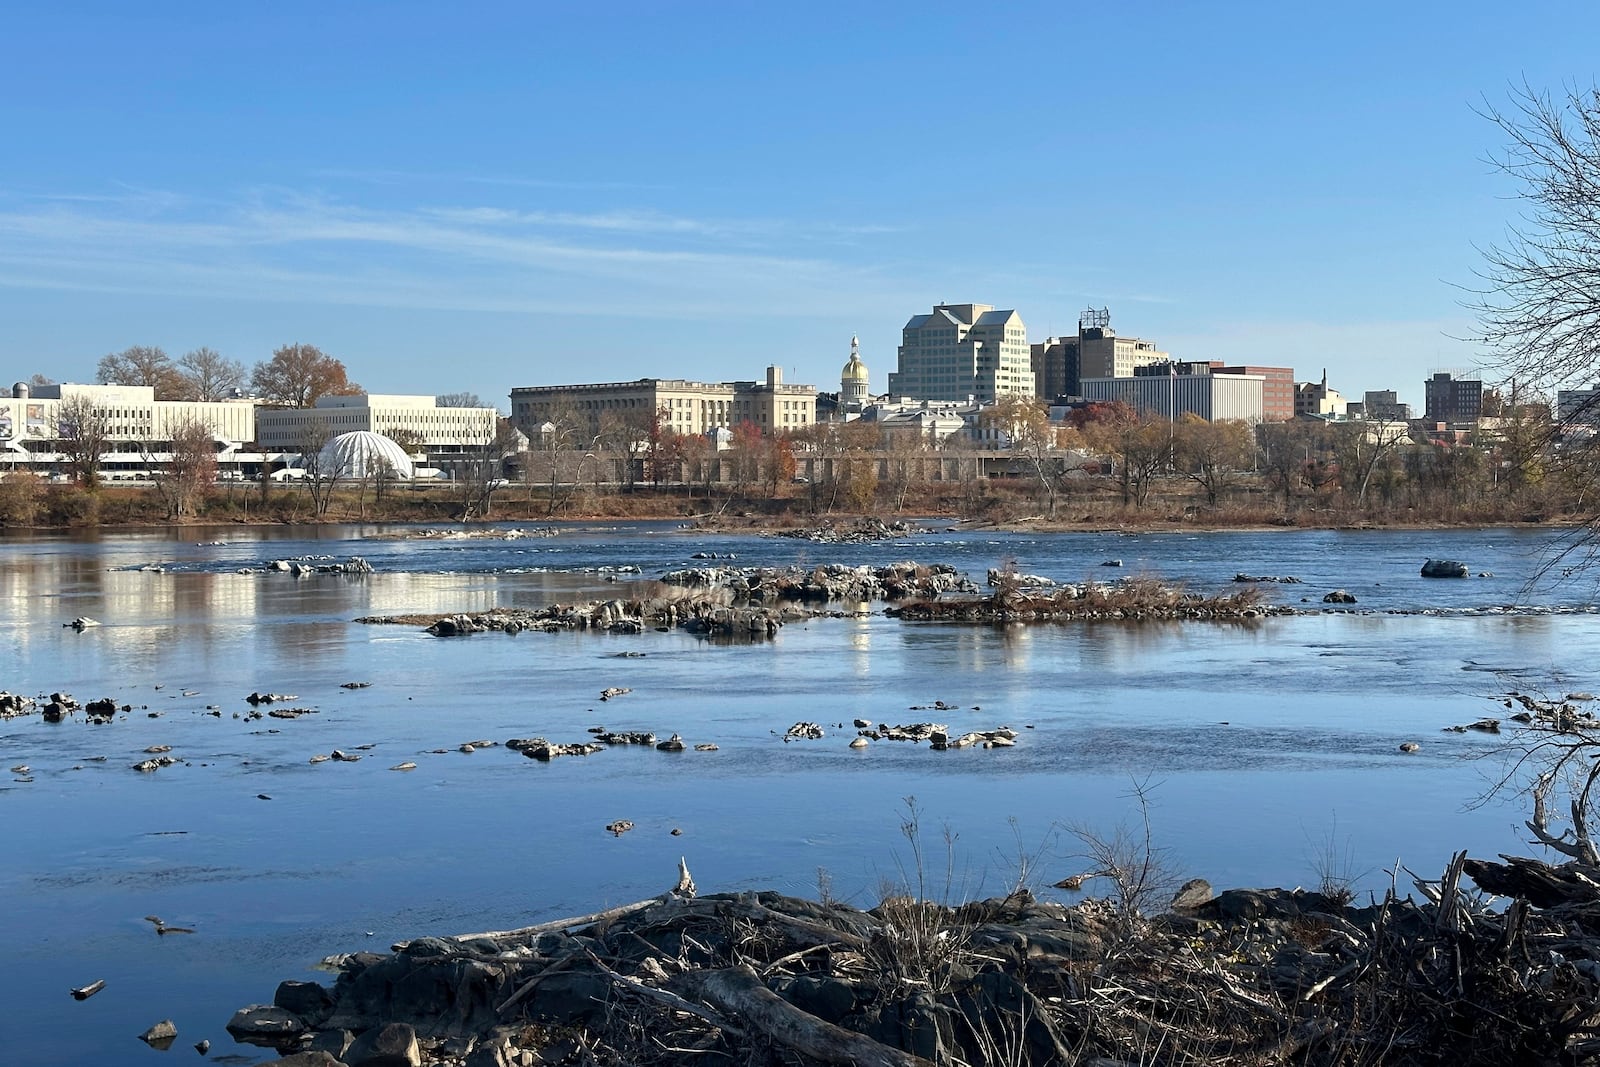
pixel 739 992
pixel 86 991
pixel 684 890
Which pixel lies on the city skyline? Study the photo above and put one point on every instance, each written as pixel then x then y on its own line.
pixel 488 200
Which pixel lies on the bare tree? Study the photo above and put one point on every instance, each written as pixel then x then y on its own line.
pixel 210 376
pixel 297 375
pixel 1540 308
pixel 189 468
pixel 142 365
pixel 1033 439
pixel 322 472
pixel 483 472
pixel 459 400
pixel 83 438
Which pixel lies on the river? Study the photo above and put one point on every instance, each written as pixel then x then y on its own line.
pixel 1261 747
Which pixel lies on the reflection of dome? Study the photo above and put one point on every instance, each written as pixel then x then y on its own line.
pixel 364 454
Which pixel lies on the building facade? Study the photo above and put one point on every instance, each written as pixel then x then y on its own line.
pixel 1578 407
pixel 1277 388
pixel 1210 396
pixel 1318 400
pixel 1450 399
pixel 961 352
pixel 418 417
pixel 137 428
pixel 687 407
pixel 1383 405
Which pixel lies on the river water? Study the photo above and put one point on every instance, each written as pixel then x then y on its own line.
pixel 1261 747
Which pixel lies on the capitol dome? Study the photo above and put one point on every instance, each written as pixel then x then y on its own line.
pixel 363 454
pixel 855 370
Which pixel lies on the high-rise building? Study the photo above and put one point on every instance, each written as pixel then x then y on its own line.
pixel 962 351
pixel 1450 399
pixel 1061 363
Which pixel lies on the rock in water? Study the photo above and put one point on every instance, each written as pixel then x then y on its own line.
pixel 1444 568
pixel 161 1035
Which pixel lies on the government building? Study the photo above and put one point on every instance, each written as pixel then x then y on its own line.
pixel 684 406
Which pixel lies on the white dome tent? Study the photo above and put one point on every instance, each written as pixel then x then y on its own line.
pixel 362 454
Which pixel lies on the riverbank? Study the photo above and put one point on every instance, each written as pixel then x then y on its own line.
pixel 1245 976
pixel 1001 505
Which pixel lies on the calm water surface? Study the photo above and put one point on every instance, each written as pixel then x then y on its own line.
pixel 1262 743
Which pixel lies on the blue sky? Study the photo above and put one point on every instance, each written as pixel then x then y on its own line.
pixel 480 196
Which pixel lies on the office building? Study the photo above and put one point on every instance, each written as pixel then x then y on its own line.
pixel 962 352
pixel 1449 399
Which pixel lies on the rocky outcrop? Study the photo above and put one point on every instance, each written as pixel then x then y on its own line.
pixel 705 614
pixel 861 532
pixel 828 582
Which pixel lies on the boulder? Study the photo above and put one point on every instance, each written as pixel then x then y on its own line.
pixel 264 1024
pixel 1339 596
pixel 309 1001
pixel 161 1035
pixel 1444 568
pixel 389 1045
pixel 1192 894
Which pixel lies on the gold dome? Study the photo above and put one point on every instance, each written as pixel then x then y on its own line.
pixel 855 370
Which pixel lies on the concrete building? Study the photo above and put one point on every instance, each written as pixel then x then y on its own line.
pixel 1060 364
pixel 1194 389
pixel 962 352
pixel 1448 399
pixel 687 407
pixel 138 428
pixel 439 429
pixel 1578 407
pixel 1277 388
pixel 1383 405
pixel 1315 398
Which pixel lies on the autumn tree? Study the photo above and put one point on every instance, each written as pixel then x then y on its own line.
pixel 142 365
pixel 297 375
pixel 1212 454
pixel 210 376
pixel 83 438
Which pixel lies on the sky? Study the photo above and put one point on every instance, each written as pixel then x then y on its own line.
pixel 479 196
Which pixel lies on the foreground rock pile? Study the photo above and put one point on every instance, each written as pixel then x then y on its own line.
pixel 1244 977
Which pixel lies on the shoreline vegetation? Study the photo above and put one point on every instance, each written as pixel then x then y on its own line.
pixel 26 503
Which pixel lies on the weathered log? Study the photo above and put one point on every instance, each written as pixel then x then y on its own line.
pixel 684 890
pixel 739 992
pixel 84 992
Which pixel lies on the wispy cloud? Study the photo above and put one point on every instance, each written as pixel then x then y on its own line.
pixel 281 244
